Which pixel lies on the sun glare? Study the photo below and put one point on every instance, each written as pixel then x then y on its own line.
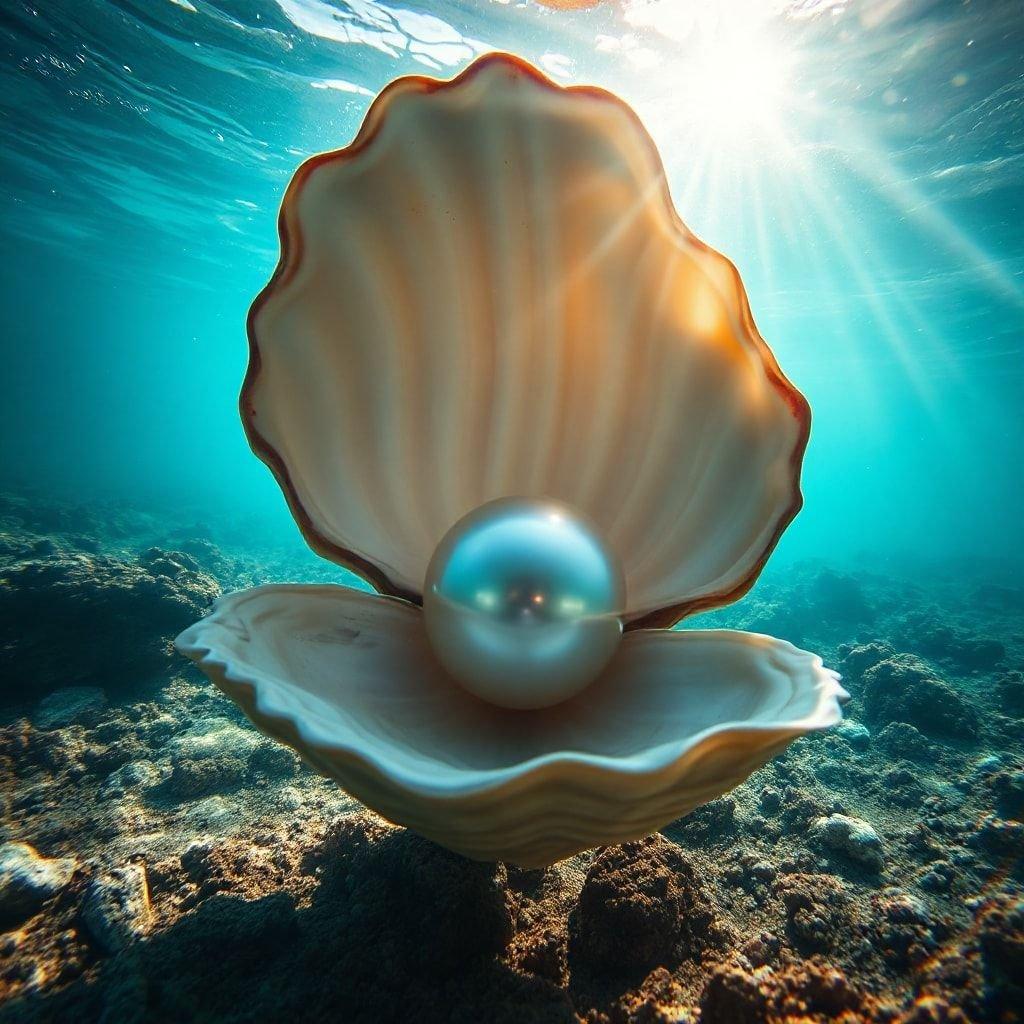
pixel 725 74
pixel 736 85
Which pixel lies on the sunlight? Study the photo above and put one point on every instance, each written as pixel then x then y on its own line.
pixel 729 77
pixel 737 86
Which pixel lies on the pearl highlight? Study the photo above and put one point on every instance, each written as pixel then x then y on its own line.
pixel 522 602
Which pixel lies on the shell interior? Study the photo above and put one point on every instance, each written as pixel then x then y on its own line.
pixel 347 679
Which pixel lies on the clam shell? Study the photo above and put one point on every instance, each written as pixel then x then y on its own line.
pixel 346 678
pixel 489 293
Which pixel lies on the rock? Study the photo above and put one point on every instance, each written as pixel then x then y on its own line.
pixel 981 653
pixel 160 729
pixel 998 837
pixel 1010 688
pixel 274 760
pixel 542 952
pixel 288 798
pixel 776 618
pixel 206 776
pixel 709 822
pixel 901 739
pixel 641 905
pixel 927 635
pixel 76 618
pixel 736 995
pixel 62 707
pixel 1008 789
pixel 464 912
pixel 213 738
pixel 856 734
pixel 102 760
pixel 988 765
pixel 931 1010
pixel 938 877
pixel 1001 939
pixel 852 837
pixel 799 809
pixel 28 880
pixel 859 658
pixel 250 870
pixel 210 757
pixel 904 689
pixel 116 908
pixel 131 776
pixel 817 911
pixel 997 596
pixel 900 907
pixel 214 813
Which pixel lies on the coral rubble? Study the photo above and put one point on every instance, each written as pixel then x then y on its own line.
pixel 160 860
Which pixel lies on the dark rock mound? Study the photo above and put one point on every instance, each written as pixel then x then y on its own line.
pixel 901 739
pixel 393 928
pixel 1008 790
pixel 1001 938
pixel 857 659
pixel 641 906
pixel 77 618
pixel 903 930
pixel 817 910
pixel 191 777
pixel 463 911
pixel 1010 688
pixel 995 595
pixel 904 689
pixel 929 636
pixel 810 991
pixel 713 821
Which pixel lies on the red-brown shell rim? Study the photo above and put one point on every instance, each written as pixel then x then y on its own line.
pixel 291 255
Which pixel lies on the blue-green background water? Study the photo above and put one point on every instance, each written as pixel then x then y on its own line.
pixel 862 162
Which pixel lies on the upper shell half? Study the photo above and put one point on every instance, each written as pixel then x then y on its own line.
pixel 489 293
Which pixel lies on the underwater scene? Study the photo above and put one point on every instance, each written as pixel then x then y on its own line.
pixel 510 511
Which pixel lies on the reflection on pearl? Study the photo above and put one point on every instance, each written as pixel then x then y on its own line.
pixel 522 601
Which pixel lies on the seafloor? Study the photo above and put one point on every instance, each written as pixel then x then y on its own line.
pixel 162 861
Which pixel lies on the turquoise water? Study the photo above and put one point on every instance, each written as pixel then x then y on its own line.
pixel 861 162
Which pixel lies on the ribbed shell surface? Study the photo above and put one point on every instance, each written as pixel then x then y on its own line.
pixel 489 293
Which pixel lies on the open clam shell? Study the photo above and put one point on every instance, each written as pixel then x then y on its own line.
pixel 346 678
pixel 489 293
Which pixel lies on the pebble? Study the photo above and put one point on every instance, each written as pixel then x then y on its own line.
pixel 938 877
pixel 213 812
pixel 28 880
pixel 289 798
pixel 857 735
pixel 134 775
pixel 988 765
pixel 62 707
pixel 905 908
pixel 853 837
pixel 116 908
pixel 214 737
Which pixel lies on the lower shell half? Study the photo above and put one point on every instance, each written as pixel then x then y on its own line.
pixel 346 678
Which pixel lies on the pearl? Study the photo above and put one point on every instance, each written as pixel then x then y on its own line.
pixel 522 600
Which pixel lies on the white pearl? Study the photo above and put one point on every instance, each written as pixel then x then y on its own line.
pixel 522 600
